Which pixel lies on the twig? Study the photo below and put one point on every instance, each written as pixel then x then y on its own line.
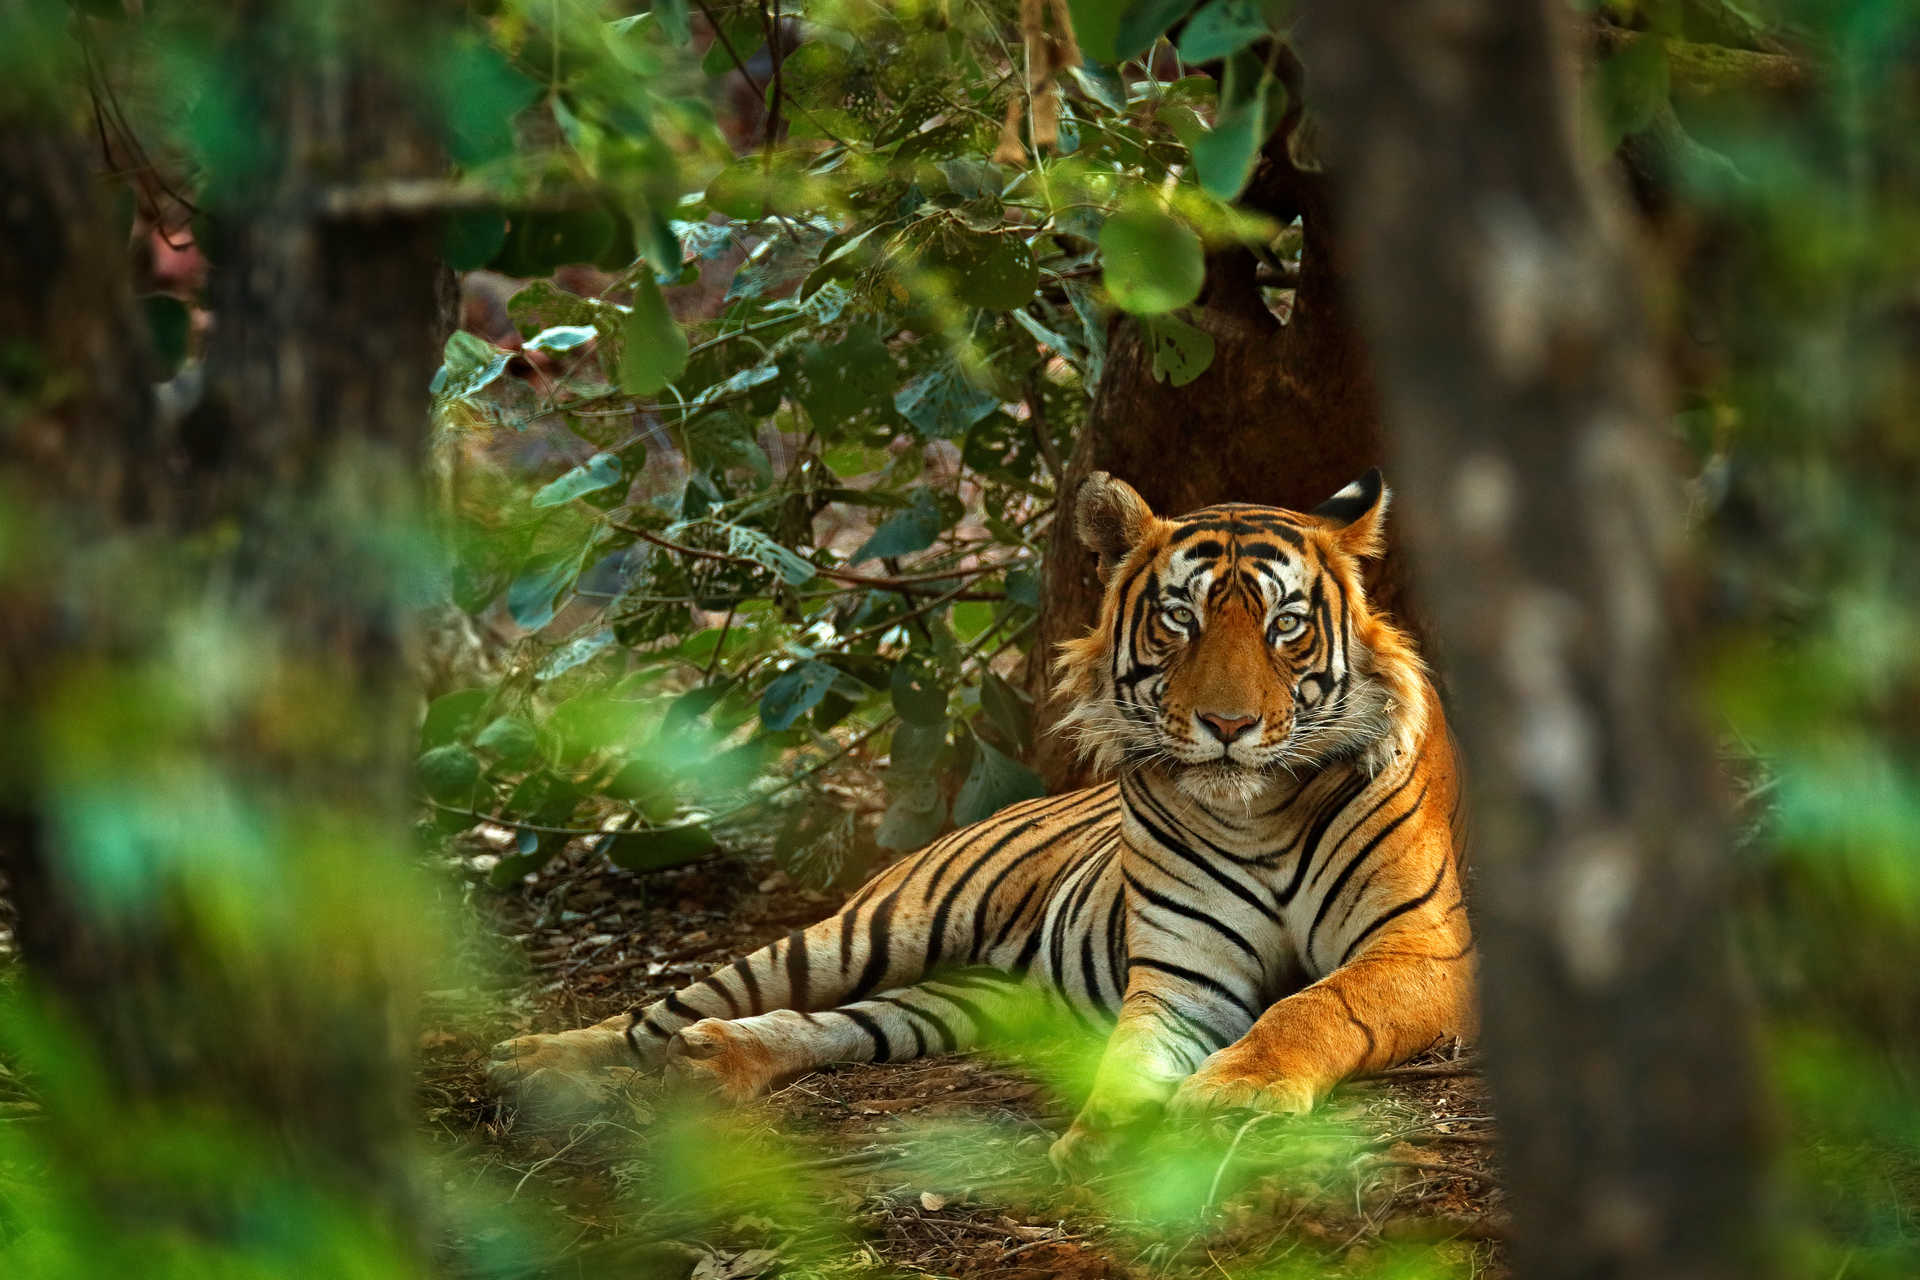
pixel 905 583
pixel 1436 1166
pixel 1441 1072
pixel 771 26
pixel 1213 1187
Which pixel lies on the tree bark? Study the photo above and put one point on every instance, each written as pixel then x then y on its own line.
pixel 1524 398
pixel 273 990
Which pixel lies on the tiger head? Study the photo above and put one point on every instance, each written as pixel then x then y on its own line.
pixel 1236 643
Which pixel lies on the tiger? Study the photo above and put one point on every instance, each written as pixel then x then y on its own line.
pixel 1265 900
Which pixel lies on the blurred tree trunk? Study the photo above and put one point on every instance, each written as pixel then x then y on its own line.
pixel 1524 395
pixel 278 522
pixel 1286 415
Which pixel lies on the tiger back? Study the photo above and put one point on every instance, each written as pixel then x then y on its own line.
pixel 1267 899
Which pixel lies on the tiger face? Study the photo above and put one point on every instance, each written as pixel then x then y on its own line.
pixel 1235 645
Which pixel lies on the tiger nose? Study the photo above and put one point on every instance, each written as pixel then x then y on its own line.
pixel 1226 728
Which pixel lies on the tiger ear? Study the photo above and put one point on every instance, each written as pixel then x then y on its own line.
pixel 1357 514
pixel 1110 518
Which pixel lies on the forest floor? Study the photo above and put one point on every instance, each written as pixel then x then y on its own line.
pixel 935 1167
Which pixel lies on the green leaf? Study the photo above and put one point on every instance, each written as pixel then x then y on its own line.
pixel 844 378
pixel 530 597
pixel 992 272
pixel 943 402
pixel 1632 87
pixel 740 190
pixel 995 781
pixel 915 815
pixel 543 305
pixel 449 773
pixel 672 16
pixel 742 32
pixel 1023 587
pixel 471 363
pixel 1223 156
pixel 1181 352
pixel 597 472
pixel 916 748
pixel 918 694
pixel 1049 338
pixel 562 337
pixel 1151 261
pixel 795 693
pixel 508 739
pixel 905 532
pixel 658 848
pixel 508 871
pixel 1144 21
pixel 1007 708
pixel 471 237
pixel 168 325
pixel 653 348
pixel 573 653
pixel 793 568
pixel 1096 25
pixel 539 241
pixel 479 92
pixel 452 716
pixel 1223 28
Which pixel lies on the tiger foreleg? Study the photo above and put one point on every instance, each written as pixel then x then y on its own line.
pixel 1159 1039
pixel 742 1058
pixel 1366 1016
pixel 568 1068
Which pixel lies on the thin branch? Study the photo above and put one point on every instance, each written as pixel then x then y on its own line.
pixel 906 583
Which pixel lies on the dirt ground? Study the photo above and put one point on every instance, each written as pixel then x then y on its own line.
pixel 935 1167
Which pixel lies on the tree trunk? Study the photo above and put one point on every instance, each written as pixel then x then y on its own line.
pixel 1285 416
pixel 1524 397
pixel 255 961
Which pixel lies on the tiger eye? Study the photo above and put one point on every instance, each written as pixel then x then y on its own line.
pixel 1178 615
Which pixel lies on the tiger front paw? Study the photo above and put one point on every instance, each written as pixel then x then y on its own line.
pixel 563 1070
pixel 1227 1083
pixel 1103 1127
pixel 720 1058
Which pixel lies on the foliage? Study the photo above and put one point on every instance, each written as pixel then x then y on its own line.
pixel 912 324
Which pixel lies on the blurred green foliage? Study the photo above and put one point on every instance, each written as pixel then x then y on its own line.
pixel 911 318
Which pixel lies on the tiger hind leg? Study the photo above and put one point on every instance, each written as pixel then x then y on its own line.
pixel 742 1058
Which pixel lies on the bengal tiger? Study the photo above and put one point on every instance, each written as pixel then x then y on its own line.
pixel 1267 900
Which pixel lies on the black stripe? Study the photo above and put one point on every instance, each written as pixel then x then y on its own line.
pixel 1015 827
pixel 1116 951
pixel 733 1002
pixel 1165 903
pixel 1207 1036
pixel 882 1047
pixel 1197 978
pixel 681 1009
pixel 1089 977
pixel 744 967
pixel 879 926
pixel 1353 863
pixel 948 1041
pixel 1225 881
pixel 1410 904
pixel 799 980
pixel 1344 795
